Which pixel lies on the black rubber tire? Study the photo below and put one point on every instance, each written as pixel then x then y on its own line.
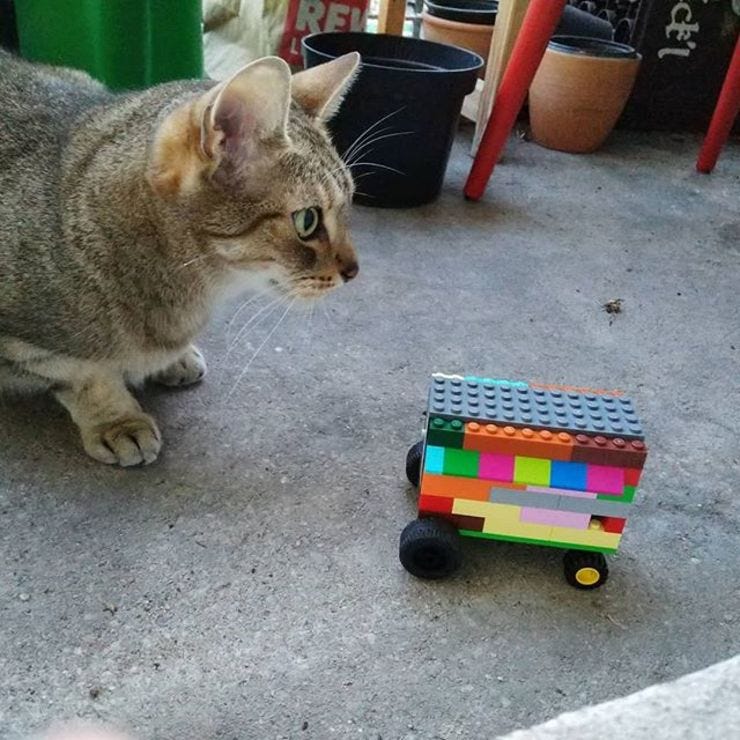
pixel 430 548
pixel 578 560
pixel 413 463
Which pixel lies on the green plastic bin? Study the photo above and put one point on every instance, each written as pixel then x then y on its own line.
pixel 125 44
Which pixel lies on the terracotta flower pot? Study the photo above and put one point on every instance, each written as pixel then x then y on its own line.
pixel 579 92
pixel 472 36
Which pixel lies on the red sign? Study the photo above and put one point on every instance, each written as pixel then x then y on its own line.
pixel 305 17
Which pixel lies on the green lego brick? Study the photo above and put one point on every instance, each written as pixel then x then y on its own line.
pixel 461 462
pixel 626 498
pixel 532 471
pixel 529 541
pixel 445 433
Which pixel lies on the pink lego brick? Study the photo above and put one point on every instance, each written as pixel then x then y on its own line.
pixel 554 518
pixel 494 466
pixel 562 492
pixel 605 479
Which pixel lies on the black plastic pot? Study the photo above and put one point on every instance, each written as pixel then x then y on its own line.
pixel 482 12
pixel 8 31
pixel 397 123
pixel 590 47
pixel 576 22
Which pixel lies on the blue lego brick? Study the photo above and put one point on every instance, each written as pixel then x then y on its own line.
pixel 488 400
pixel 434 459
pixel 571 475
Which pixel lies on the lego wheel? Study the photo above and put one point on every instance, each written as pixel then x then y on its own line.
pixel 585 570
pixel 413 463
pixel 430 548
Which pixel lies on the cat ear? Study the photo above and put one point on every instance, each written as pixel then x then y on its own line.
pixel 248 108
pixel 224 133
pixel 321 89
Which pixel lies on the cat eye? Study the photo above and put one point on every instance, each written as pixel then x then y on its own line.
pixel 307 222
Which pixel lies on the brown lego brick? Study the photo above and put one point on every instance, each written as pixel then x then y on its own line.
pixel 614 451
pixel 508 440
pixel 471 523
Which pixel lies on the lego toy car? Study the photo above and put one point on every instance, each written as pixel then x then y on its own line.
pixel 523 462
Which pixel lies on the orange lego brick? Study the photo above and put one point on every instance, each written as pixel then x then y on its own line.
pixel 615 451
pixel 452 486
pixel 510 440
pixel 434 505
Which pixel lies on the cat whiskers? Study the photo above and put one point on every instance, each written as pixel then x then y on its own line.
pixel 366 147
pixel 360 139
pixel 270 308
pixel 261 346
pixel 242 306
pixel 192 261
pixel 375 164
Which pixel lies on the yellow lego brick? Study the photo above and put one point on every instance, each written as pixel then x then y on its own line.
pixel 468 507
pixel 502 519
pixel 591 536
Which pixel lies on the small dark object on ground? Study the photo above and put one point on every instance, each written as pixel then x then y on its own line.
pixel 612 307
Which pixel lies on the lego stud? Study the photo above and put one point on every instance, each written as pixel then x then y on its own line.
pixel 510 431
pixel 528 433
pixel 491 429
pixel 456 424
pixel 474 426
pixel 565 437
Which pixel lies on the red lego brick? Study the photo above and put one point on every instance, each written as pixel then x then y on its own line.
pixel 614 451
pixel 430 505
pixel 612 524
pixel 510 440
pixel 632 476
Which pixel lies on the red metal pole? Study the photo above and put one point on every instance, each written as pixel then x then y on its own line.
pixel 539 23
pixel 725 113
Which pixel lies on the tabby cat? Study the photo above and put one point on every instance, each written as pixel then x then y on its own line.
pixel 125 217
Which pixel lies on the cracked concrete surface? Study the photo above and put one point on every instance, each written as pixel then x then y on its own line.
pixel 247 585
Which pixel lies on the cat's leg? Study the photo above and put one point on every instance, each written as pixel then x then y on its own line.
pixel 189 368
pixel 113 427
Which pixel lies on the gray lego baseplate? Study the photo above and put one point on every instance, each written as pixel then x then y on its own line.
pixel 489 400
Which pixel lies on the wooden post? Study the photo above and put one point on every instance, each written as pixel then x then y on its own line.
pixel 540 21
pixel 508 22
pixel 391 16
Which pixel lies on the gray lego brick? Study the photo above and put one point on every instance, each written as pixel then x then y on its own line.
pixel 576 504
pixel 516 403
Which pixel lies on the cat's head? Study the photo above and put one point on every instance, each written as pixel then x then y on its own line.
pixel 250 169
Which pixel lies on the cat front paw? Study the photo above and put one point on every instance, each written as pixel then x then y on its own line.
pixel 188 369
pixel 131 440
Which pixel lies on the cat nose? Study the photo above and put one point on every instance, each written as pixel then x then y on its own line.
pixel 349 271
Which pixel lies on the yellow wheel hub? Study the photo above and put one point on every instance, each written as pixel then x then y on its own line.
pixel 587 576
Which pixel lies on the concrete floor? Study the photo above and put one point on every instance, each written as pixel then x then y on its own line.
pixel 247 585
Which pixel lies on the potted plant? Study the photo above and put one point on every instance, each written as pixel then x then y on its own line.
pixel 579 92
